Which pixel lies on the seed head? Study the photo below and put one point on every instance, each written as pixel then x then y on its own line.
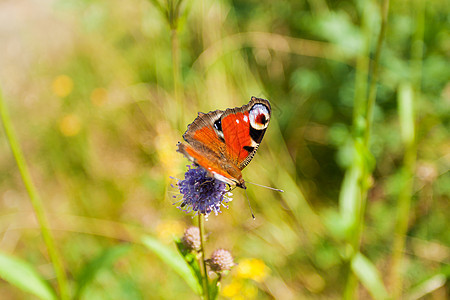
pixel 191 238
pixel 221 260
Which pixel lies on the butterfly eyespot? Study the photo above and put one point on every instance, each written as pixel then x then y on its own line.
pixel 259 116
pixel 261 119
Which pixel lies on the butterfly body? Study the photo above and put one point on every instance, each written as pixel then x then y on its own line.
pixel 224 142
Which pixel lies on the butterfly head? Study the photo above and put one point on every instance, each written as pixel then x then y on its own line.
pixel 241 184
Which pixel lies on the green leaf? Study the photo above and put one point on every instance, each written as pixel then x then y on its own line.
pixel 214 289
pixel 22 275
pixel 428 286
pixel 336 224
pixel 177 263
pixel 338 28
pixel 406 112
pixel 369 276
pixel 349 198
pixel 103 261
pixel 190 258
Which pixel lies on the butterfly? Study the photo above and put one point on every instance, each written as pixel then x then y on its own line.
pixel 224 142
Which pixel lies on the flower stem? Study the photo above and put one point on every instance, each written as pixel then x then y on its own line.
pixel 362 134
pixel 375 73
pixel 203 261
pixel 174 7
pixel 177 86
pixel 356 172
pixel 35 200
pixel 406 108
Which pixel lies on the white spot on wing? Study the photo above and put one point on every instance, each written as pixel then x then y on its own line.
pixel 220 134
pixel 237 121
pixel 245 119
pixel 223 178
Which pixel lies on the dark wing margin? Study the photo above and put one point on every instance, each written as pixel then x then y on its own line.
pixel 202 120
pixel 249 158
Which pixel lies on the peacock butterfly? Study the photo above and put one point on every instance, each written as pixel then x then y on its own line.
pixel 224 142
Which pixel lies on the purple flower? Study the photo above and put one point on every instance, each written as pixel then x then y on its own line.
pixel 202 193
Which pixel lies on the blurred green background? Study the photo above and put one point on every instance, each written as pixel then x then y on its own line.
pixel 100 92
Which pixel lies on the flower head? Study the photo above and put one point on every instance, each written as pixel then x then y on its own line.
pixel 191 238
pixel 202 193
pixel 252 268
pixel 221 260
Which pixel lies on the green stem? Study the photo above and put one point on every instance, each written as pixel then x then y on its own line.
pixel 35 200
pixel 359 108
pixel 364 186
pixel 173 9
pixel 172 12
pixel 409 161
pixel 177 87
pixel 403 208
pixel 362 132
pixel 375 73
pixel 203 260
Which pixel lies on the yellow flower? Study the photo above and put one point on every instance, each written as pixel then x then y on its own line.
pixel 252 268
pixel 99 96
pixel 70 125
pixel 239 290
pixel 62 86
pixel 250 291
pixel 232 290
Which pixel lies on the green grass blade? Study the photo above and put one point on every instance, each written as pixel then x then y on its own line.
pixel 428 286
pixel 349 198
pixel 99 263
pixel 35 200
pixel 174 260
pixel 406 112
pixel 369 276
pixel 22 275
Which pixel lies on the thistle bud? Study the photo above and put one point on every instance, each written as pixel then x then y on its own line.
pixel 191 238
pixel 221 260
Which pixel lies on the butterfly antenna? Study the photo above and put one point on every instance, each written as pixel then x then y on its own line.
pixel 249 205
pixel 267 187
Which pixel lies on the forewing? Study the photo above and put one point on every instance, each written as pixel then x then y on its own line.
pixel 241 136
pixel 202 135
pixel 206 147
